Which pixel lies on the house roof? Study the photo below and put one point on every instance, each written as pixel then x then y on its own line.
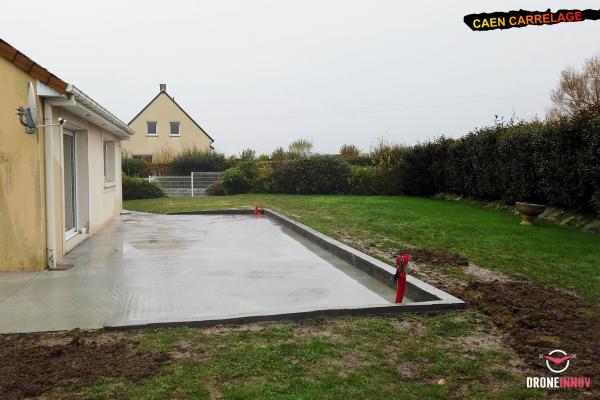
pixel 80 101
pixel 26 64
pixel 178 106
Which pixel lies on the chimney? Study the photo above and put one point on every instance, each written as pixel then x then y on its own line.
pixel 163 87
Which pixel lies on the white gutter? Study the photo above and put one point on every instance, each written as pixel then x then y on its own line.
pixel 121 129
pixel 50 197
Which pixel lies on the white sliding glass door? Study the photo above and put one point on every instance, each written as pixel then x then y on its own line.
pixel 70 184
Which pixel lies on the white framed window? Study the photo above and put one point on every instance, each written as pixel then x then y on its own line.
pixel 108 150
pixel 151 125
pixel 174 128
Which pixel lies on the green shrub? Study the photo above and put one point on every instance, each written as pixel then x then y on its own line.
pixel 248 168
pixel 215 189
pixel 234 181
pixel 135 188
pixel 312 175
pixel 196 160
pixel 248 155
pixel 554 163
pixel 361 160
pixel 367 180
pixel 261 183
pixel 264 157
pixel 133 167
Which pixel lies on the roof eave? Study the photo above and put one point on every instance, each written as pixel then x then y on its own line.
pixel 121 129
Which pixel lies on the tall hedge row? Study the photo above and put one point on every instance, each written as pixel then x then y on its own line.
pixel 312 175
pixel 555 163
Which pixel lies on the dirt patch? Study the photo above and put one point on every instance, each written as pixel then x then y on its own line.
pixel 30 366
pixel 539 319
pixel 485 275
pixel 437 257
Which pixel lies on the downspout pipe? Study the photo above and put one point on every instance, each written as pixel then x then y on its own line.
pixel 50 195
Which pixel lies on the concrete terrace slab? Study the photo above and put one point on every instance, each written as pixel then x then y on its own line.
pixel 146 269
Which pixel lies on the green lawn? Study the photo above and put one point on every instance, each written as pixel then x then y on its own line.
pixel 346 358
pixel 546 253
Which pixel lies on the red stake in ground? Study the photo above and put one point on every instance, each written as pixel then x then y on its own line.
pixel 400 276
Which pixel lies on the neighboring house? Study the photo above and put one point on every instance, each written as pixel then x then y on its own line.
pixel 61 182
pixel 164 126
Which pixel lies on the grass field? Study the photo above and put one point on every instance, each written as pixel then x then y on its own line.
pixel 546 253
pixel 450 356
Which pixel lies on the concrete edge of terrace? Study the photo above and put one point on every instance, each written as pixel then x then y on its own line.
pixel 428 299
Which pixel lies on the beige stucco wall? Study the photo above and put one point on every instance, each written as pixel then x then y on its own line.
pixel 22 227
pixel 163 110
pixel 22 177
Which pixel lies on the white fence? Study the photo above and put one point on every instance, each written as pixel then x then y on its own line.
pixel 190 185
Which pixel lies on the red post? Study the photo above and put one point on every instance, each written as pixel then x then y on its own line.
pixel 257 211
pixel 401 263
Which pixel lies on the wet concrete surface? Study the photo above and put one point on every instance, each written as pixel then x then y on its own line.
pixel 147 268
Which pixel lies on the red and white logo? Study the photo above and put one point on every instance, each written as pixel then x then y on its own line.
pixel 558 361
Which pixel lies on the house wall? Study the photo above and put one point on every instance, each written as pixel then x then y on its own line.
pixel 104 201
pixel 164 110
pixel 22 217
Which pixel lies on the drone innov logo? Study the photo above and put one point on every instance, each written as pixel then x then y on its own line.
pixel 558 361
pixel 556 358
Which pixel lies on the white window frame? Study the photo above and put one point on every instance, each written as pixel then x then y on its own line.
pixel 178 128
pixel 109 160
pixel 155 128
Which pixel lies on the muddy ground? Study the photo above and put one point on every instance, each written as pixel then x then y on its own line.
pixel 535 318
pixel 539 319
pixel 37 363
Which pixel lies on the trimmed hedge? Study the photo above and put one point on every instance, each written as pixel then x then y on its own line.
pixel 195 160
pixel 133 167
pixel 553 163
pixel 312 175
pixel 367 180
pixel 135 188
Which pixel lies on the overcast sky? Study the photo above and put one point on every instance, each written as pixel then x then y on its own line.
pixel 261 74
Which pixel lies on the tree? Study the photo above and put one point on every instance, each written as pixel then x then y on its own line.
pixel 248 155
pixel 349 151
pixel 301 148
pixel 578 94
pixel 279 154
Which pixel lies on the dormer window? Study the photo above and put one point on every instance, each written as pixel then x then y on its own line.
pixel 151 128
pixel 174 128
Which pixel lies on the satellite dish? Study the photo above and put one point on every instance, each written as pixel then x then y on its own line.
pixel 32 103
pixel 28 116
